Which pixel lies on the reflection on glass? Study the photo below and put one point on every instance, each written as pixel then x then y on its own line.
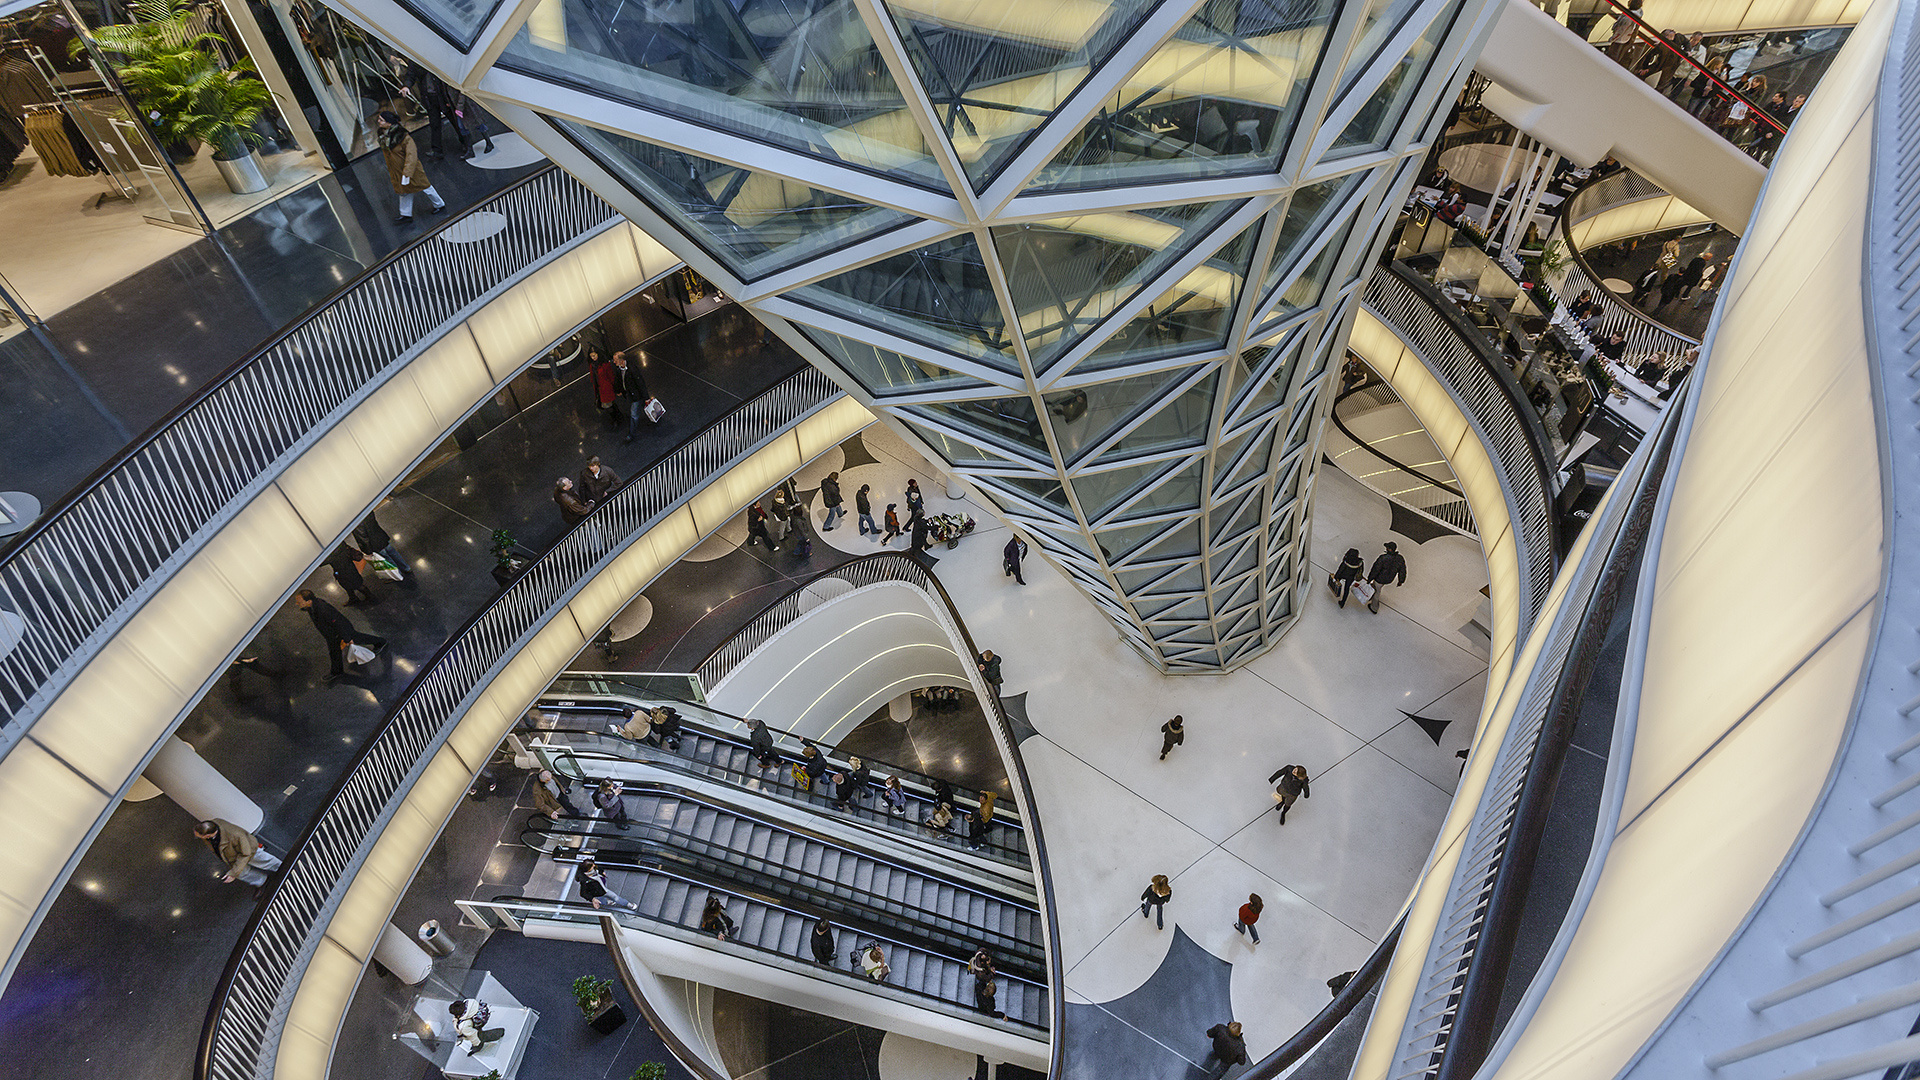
pixel 800 74
pixel 996 69
pixel 1267 383
pixel 939 295
pixel 881 370
pixel 1306 289
pixel 1101 491
pixel 1218 98
pixel 1181 491
pixel 1066 274
pixel 1382 19
pixel 955 450
pixel 1121 542
pixel 1192 315
pixel 1049 490
pixel 1181 543
pixel 1374 124
pixel 1084 415
pixel 754 222
pixel 1007 420
pixel 1306 214
pixel 1182 423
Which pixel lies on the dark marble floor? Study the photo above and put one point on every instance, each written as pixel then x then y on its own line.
pixel 1187 993
pixel 133 948
pixel 1628 259
pixel 956 746
pixel 124 358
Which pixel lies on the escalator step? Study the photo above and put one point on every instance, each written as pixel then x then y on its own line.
pixel 753 924
pixel 673 905
pixel 702 823
pixel 950 982
pixel 810 855
pixel 830 860
pixel 912 976
pixel 777 845
pixel 758 840
pixel 793 934
pixel 651 894
pixel 863 874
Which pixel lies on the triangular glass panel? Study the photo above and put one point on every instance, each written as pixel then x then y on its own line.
pixel 1066 274
pixel 1179 491
pixel 882 371
pixel 1198 659
pixel 1219 98
pixel 1195 314
pixel 1372 127
pixel 1247 621
pixel 997 421
pixel 1072 540
pixel 1149 607
pixel 938 295
pixel 1117 544
pixel 1098 492
pixel 1082 416
pixel 1136 581
pixel 1049 490
pixel 1379 23
pixel 1281 608
pixel 1195 608
pixel 803 75
pixel 1306 218
pixel 755 223
pixel 995 71
pixel 1182 633
pixel 1224 456
pixel 1236 652
pixel 1181 543
pixel 1305 291
pixel 1253 464
pixel 1247 517
pixel 956 451
pixel 1244 561
pixel 1186 581
pixel 1182 422
pixel 1247 592
pixel 1265 387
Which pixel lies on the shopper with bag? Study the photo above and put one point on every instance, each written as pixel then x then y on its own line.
pixel 1349 571
pixel 338 632
pixel 640 400
pixel 1389 568
pixel 349 567
pixel 375 540
pixel 403 167
pixel 605 379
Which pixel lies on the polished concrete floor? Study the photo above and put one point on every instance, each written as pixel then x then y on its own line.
pixel 133 948
pixel 128 354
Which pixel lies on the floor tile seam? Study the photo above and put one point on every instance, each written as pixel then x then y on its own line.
pixel 1150 1037
pixel 1457 686
pixel 457 513
pixel 1308 900
pixel 1126 788
pixel 1590 753
pixel 1400 763
pixel 1283 691
pixel 1391 606
pixel 1268 810
pixel 810 1046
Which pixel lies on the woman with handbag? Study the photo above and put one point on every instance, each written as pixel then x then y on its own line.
pixel 1349 571
pixel 404 171
pixel 349 567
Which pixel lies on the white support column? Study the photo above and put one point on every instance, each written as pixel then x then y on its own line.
pixel 402 955
pixel 900 709
pixel 186 778
pixel 1506 166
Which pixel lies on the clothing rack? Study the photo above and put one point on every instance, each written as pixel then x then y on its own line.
pixel 92 126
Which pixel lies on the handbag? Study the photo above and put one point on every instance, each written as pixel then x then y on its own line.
pixel 359 655
pixel 654 410
pixel 383 569
pixel 1364 590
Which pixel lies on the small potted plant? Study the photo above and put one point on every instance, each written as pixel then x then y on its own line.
pixel 507 563
pixel 595 998
pixel 649 1070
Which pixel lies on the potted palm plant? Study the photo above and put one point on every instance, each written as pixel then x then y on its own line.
pixel 176 77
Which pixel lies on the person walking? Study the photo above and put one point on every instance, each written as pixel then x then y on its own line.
pixel 370 537
pixel 844 789
pixel 596 482
pixel 821 941
pixel 1248 915
pixel 778 518
pixel 1010 557
pixel 989 666
pixel 605 379
pixel 1229 1049
pixel 918 525
pixel 1389 567
pixel 894 796
pixel 553 796
pixel 760 742
pixel 830 498
pixel 633 386
pixel 240 850
pixel 916 502
pixel 1647 282
pixel 594 890
pixel 349 564
pixel 757 528
pixel 1293 785
pixel 715 920
pixel 613 806
pixel 1349 571
pixel 861 775
pixel 977 823
pixel 403 167
pixel 442 104
pixel 863 506
pixel 1709 277
pixel 811 766
pixel 1157 893
pixel 335 629
pixel 573 508
pixel 1172 734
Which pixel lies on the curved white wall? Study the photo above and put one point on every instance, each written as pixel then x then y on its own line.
pixel 835 665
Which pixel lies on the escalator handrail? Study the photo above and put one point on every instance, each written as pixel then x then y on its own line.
pixel 906 775
pixel 656 834
pixel 862 816
pixel 1652 36
pixel 615 915
pixel 655 855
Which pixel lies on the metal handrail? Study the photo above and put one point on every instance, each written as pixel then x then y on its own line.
pixel 1477 378
pixel 81 571
pixel 1652 36
pixel 899 566
pixel 243 1020
pixel 1644 335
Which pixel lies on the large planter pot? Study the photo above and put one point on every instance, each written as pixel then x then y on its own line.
pixel 608 1017
pixel 239 167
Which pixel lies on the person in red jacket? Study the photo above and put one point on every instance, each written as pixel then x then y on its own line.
pixel 1250 914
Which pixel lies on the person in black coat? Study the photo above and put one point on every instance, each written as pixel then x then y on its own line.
pixel 989 665
pixel 1010 557
pixel 757 528
pixel 596 482
pixel 1343 576
pixel 1389 568
pixel 1229 1049
pixel 761 741
pixel 830 498
pixel 371 537
pixel 1292 785
pixel 918 526
pixel 1648 282
pixel 346 562
pixel 822 942
pixel 335 629
pixel 863 505
pixel 632 385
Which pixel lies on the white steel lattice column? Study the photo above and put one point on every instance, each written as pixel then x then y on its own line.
pixel 1097 256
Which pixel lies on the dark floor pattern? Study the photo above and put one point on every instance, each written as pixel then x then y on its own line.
pixel 957 746
pixel 132 949
pixel 1186 994
pixel 764 1040
pixel 1629 259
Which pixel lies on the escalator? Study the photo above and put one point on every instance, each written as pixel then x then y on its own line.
pixel 729 845
pixel 713 746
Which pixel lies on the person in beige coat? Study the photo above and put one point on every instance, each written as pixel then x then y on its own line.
pixel 246 860
pixel 403 167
